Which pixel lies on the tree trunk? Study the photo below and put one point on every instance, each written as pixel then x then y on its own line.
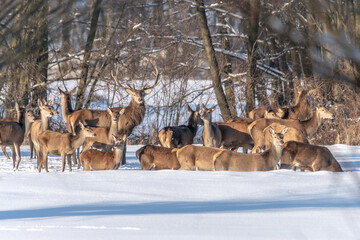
pixel 229 84
pixel 252 73
pixel 214 67
pixel 85 65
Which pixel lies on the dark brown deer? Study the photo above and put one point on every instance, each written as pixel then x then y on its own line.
pixel 179 136
pixel 308 157
pixel 158 158
pixel 266 161
pixel 97 160
pixel 308 127
pixel 12 133
pixel 63 144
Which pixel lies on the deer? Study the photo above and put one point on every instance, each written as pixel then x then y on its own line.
pixel 265 161
pixel 12 133
pixel 104 134
pixel 179 136
pixel 193 157
pixel 63 144
pixel 307 127
pixel 308 157
pixel 257 113
pixel 157 158
pixel 29 119
pixel 211 135
pixel 97 160
pixel 42 124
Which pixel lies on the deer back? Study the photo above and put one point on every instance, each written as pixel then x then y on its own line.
pixel 155 157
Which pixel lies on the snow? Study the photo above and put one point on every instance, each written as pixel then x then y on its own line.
pixel 132 204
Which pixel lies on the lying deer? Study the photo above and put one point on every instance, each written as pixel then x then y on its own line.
pixel 309 157
pixel 266 161
pixel 179 136
pixel 96 160
pixel 193 157
pixel 211 134
pixel 158 158
pixel 308 127
pixel 12 133
pixel 42 124
pixel 63 144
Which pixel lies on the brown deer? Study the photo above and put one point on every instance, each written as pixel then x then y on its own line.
pixel 292 134
pixel 104 134
pixel 96 160
pixel 158 158
pixel 257 113
pixel 193 157
pixel 179 136
pixel 63 144
pixel 211 135
pixel 307 127
pixel 42 124
pixel 12 133
pixel 308 157
pixel 266 161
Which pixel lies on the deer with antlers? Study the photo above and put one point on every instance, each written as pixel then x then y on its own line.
pixel 179 136
pixel 12 133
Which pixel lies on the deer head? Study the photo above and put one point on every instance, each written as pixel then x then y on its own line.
pixel 87 131
pixel 206 112
pixel 115 114
pixel 119 142
pixel 138 95
pixel 46 108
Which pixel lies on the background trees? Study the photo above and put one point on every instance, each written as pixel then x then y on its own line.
pixel 264 51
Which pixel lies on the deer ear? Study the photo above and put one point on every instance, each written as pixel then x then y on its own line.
pixel 197 107
pixel 284 131
pixel 122 111
pixel 17 106
pixel 109 111
pixel 148 91
pixel 40 103
pixel 271 130
pixel 72 92
pixel 129 91
pixel 81 125
pixel 189 108
pixel 213 108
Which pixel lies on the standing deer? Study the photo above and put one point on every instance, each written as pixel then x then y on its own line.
pixel 266 161
pixel 179 136
pixel 12 133
pixel 211 135
pixel 308 157
pixel 42 124
pixel 155 157
pixel 307 127
pixel 97 160
pixel 63 144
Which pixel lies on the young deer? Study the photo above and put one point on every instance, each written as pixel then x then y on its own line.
pixel 233 161
pixel 12 133
pixel 211 135
pixel 104 134
pixel 179 136
pixel 155 157
pixel 308 157
pixel 97 160
pixel 42 124
pixel 308 127
pixel 63 144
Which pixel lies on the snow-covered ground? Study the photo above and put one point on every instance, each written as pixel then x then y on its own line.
pixel 134 204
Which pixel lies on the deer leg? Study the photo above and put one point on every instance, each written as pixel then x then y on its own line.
pixel 74 158
pixel 69 161
pixel 123 158
pixel 17 149
pixel 63 162
pixel 3 148
pixel 45 162
pixel 32 150
pixel 39 161
pixel 13 155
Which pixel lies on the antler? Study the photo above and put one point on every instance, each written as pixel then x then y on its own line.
pixel 117 81
pixel 156 80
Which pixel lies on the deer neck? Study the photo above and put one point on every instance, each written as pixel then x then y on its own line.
pixel 77 140
pixel 193 123
pixel 313 124
pixel 113 128
pixel 44 123
pixel 118 153
pixel 66 106
pixel 27 126
pixel 274 154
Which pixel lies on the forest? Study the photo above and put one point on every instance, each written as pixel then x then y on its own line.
pixel 255 53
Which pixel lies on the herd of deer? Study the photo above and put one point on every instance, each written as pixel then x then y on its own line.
pixel 276 136
pixel 103 133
